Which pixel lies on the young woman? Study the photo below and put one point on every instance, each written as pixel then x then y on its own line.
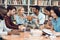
pixel 56 18
pixel 20 17
pixel 3 29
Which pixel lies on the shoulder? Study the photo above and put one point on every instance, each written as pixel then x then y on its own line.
pixel 32 14
pixel 59 18
pixel 42 14
pixel 2 21
pixel 53 21
pixel 5 17
pixel 16 16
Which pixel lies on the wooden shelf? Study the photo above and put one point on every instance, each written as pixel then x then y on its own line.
pixel 18 4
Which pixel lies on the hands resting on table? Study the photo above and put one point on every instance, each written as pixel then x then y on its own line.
pixel 17 32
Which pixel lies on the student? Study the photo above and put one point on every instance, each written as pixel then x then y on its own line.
pixel 3 29
pixel 55 21
pixel 56 18
pixel 20 17
pixel 47 10
pixel 38 15
pixel 10 12
pixel 48 14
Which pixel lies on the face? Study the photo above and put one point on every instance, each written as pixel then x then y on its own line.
pixel 34 10
pixel 53 14
pixel 46 12
pixel 12 12
pixel 21 11
pixel 59 9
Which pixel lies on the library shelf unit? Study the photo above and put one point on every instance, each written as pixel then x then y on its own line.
pixel 27 3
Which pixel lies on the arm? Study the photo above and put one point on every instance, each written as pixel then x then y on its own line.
pixel 8 24
pixel 3 33
pixel 17 18
pixel 42 19
pixel 5 28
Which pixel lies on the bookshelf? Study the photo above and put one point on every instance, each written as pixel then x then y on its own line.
pixel 55 2
pixel 27 3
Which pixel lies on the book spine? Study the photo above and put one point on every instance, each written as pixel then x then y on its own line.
pixel 24 2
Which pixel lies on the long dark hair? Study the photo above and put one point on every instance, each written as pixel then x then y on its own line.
pixel 56 10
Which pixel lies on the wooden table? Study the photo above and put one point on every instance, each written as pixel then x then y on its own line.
pixel 22 35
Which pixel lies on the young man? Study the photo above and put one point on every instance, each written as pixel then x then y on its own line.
pixel 3 29
pixel 39 16
pixel 11 10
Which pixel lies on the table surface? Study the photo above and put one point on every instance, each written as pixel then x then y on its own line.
pixel 25 36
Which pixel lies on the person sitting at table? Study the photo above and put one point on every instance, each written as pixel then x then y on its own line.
pixel 3 29
pixel 30 22
pixel 48 18
pixel 47 12
pixel 55 13
pixel 11 10
pixel 20 17
pixel 38 16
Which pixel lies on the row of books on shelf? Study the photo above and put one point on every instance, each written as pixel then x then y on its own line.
pixel 14 2
pixel 32 2
pixel 56 3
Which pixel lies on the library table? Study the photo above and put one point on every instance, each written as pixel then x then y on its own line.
pixel 25 36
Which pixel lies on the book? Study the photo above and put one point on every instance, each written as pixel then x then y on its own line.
pixel 8 1
pixel 39 2
pixel 32 2
pixel 1 1
pixel 42 3
pixel 24 2
pixel 19 1
pixel 15 2
pixel 45 3
pixel 5 2
pixel 35 2
pixel 55 3
pixel 59 3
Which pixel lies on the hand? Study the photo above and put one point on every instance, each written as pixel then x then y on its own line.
pixel 14 32
pixel 41 27
pixel 29 18
pixel 22 27
pixel 34 17
pixel 9 33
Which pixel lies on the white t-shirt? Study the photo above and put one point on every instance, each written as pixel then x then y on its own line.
pixel 40 17
pixel 3 29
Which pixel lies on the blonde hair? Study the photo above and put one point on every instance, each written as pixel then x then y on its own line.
pixel 19 9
